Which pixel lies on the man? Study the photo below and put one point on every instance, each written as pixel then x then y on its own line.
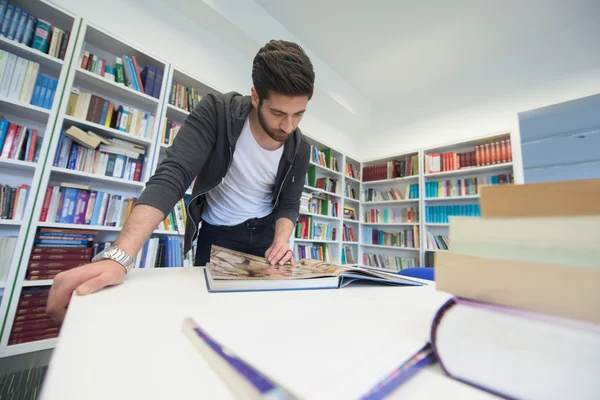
pixel 249 160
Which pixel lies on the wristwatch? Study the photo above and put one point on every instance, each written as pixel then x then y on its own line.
pixel 116 254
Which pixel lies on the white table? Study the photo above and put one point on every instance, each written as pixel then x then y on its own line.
pixel 125 342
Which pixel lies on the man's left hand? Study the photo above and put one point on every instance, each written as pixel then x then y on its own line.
pixel 280 253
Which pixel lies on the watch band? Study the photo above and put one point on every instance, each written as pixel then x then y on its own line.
pixel 116 254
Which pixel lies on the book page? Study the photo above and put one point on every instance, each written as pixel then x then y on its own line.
pixel 230 264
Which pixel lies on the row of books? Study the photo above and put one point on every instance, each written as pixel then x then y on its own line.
pixel 497 152
pixel 440 214
pixel 126 71
pixel 325 183
pixel 309 229
pixel 350 213
pixel 437 242
pixel 394 194
pixel 31 323
pixel 394 263
pixel 464 187
pixel 170 131
pixel 12 201
pixel 7 249
pixel 184 97
pixel 118 158
pixel 348 255
pixel 324 158
pixel 96 109
pixel 319 203
pixel 352 171
pixel 350 192
pixel 24 28
pixel 20 80
pixel 406 238
pixel 348 234
pixel 163 252
pixel 176 219
pixel 392 169
pixel 19 142
pixel 396 215
pixel 316 251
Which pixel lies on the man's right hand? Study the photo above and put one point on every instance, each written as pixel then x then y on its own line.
pixel 85 279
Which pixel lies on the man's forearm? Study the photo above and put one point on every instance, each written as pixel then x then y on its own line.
pixel 283 229
pixel 142 221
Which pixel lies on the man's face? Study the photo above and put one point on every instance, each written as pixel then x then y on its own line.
pixel 279 115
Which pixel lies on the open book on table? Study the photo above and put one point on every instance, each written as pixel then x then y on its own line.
pixel 230 270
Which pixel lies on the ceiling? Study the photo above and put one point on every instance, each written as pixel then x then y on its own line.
pixel 413 59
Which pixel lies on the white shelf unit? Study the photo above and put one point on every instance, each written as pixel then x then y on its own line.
pixel 14 172
pixel 453 175
pixel 400 183
pixel 84 36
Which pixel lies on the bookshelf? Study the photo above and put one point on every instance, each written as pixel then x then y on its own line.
pixel 14 172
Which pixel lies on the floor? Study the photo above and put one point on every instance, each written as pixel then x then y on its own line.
pixel 22 376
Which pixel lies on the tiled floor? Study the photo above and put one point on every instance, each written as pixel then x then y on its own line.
pixel 21 377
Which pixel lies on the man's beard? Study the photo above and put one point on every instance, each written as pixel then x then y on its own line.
pixel 273 134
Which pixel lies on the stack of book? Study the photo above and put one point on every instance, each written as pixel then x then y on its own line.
pixel 93 108
pixel 305 202
pixel 394 194
pixel 56 250
pixel 31 322
pixel 348 234
pixel 525 276
pixel 20 80
pixel 348 255
pixel 7 249
pixel 407 238
pixel 320 203
pixel 497 152
pixel 70 203
pixel 350 213
pixel 24 28
pixel 88 152
pixel 12 201
pixel 183 97
pixel 163 252
pixel 392 169
pixel 394 263
pixel 392 215
pixel 316 251
pixel 464 187
pixel 19 142
pixel 324 158
pixel 169 132
pixel 352 171
pixel 350 192
pixel 441 214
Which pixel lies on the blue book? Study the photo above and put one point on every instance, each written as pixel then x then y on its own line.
pixel 97 208
pixel 158 78
pixel 72 163
pixel 43 82
pixel 144 254
pixel 58 242
pixel 58 149
pixel 3 129
pixel 3 6
pixel 80 236
pixel 7 19
pixel 14 23
pixel 21 26
pixel 35 99
pixel 49 98
pixel 134 78
pixel 28 32
pixel 104 112
pixel 68 206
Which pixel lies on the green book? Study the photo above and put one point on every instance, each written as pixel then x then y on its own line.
pixel 312 175
pixel 120 73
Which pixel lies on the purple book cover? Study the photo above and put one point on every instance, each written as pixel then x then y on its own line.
pixel 83 196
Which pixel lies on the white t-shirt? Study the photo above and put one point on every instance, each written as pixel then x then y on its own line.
pixel 247 190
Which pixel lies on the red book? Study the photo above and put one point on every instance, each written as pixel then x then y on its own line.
pixel 61 250
pixel 46 204
pixel 33 136
pixel 30 317
pixel 32 302
pixel 508 151
pixel 84 61
pixel 33 332
pixel 42 277
pixel 493 153
pixel 137 175
pixel 503 151
pixel 9 140
pixel 60 257
pixel 137 73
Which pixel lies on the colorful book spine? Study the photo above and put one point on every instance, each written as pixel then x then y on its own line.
pixel 41 36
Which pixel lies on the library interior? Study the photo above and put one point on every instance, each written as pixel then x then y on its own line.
pixel 282 199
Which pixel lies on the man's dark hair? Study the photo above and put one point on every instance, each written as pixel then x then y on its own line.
pixel 282 67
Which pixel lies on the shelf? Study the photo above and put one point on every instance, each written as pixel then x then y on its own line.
pixel 29 347
pixel 351 179
pixel 166 232
pixel 99 228
pixel 470 171
pixel 174 112
pixel 436 224
pixel 315 241
pixel 113 89
pixel 10 222
pixel 325 168
pixel 313 189
pixel 367 203
pixel 18 164
pixel 105 129
pixel 379 246
pixel 44 282
pixel 390 223
pixel 100 178
pixel 435 250
pixel 3 285
pixel 453 198
pixel 319 216
pixel 19 49
pixel 391 181
pixel 351 243
pixel 350 220
pixel 352 200
pixel 23 110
